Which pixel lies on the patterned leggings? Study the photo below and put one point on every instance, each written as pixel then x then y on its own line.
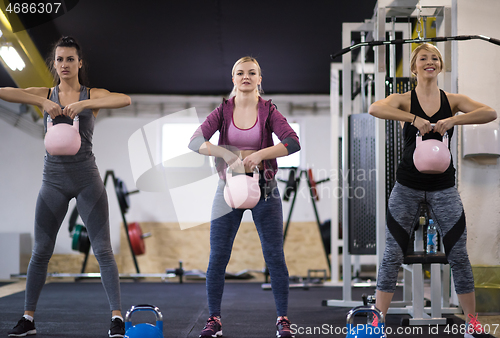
pixel 447 211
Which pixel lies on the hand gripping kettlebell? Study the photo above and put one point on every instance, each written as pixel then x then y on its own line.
pixel 63 138
pixel 365 330
pixel 431 156
pixel 242 191
pixel 144 330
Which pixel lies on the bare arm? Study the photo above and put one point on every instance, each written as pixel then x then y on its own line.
pixel 474 113
pixel 100 98
pixel 36 96
pixel 392 108
pixel 33 96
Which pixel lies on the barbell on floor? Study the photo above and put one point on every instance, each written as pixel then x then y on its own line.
pixel 81 241
pixel 137 238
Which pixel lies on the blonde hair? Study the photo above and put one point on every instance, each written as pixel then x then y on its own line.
pixel 428 47
pixel 239 62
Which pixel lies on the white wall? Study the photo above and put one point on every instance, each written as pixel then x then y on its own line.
pixel 22 164
pixel 479 78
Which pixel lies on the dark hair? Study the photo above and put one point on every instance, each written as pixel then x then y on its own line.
pixel 67 41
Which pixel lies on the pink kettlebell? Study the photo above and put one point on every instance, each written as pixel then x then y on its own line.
pixel 431 156
pixel 62 138
pixel 242 191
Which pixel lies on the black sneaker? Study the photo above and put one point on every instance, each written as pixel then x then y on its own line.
pixel 117 328
pixel 23 328
pixel 283 328
pixel 212 329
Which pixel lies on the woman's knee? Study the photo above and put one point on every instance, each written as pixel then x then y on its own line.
pixel 40 258
pixel 219 257
pixel 393 257
pixel 459 264
pixel 275 261
pixel 104 255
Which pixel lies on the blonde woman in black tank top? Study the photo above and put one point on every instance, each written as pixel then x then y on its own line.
pixel 417 110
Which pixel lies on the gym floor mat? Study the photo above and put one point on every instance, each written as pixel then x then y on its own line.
pixel 81 310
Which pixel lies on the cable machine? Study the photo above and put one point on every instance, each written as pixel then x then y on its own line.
pixel 374 33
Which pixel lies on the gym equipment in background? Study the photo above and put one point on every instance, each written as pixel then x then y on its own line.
pixel 133 231
pixel 62 138
pixel 360 189
pixel 242 191
pixel 422 311
pixel 418 40
pixel 292 186
pixel 144 330
pixel 80 237
pixel 431 156
pixel 135 237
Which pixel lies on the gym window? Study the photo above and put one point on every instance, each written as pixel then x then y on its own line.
pixel 175 140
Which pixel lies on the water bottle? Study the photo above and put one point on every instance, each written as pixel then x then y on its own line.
pixel 431 238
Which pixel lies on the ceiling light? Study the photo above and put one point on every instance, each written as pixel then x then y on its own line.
pixel 11 58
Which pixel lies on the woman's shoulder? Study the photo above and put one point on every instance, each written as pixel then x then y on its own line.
pixel 267 106
pixel 396 97
pixel 266 103
pixel 404 96
pixel 96 93
pixel 398 100
pixel 454 98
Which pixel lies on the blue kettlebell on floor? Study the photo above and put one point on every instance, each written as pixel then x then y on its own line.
pixel 365 330
pixel 144 330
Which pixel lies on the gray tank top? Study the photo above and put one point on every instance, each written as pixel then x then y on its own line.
pixel 87 120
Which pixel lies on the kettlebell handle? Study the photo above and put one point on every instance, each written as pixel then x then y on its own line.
pixel 362 309
pixel 50 123
pixel 418 131
pixel 143 307
pixel 432 125
pixel 229 171
pixel 445 139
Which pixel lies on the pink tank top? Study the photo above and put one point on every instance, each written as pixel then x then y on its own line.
pixel 244 139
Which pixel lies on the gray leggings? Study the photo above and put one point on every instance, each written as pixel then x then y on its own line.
pixel 62 182
pixel 447 211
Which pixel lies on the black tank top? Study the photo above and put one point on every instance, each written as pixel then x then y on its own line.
pixel 407 174
pixel 86 127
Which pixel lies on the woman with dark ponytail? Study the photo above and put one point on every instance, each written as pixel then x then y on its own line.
pixel 70 176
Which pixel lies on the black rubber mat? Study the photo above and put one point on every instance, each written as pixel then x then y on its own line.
pixel 81 310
